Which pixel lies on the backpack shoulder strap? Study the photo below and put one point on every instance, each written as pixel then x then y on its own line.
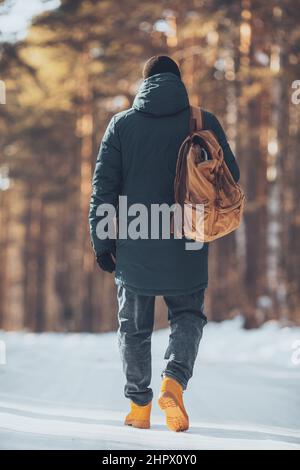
pixel 196 119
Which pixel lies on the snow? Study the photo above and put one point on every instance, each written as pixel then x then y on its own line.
pixel 65 391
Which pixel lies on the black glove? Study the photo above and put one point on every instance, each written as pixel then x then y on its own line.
pixel 106 260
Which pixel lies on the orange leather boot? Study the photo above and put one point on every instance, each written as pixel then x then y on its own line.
pixel 139 416
pixel 171 402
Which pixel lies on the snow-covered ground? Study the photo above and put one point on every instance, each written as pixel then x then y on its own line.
pixel 65 391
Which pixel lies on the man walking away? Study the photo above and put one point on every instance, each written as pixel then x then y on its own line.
pixel 137 159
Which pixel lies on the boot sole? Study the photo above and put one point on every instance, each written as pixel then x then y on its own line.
pixel 138 424
pixel 176 419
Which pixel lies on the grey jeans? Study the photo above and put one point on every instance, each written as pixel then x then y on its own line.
pixel 136 319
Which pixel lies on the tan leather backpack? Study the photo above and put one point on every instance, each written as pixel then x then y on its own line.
pixel 202 177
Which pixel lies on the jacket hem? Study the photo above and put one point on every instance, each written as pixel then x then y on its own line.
pixel 160 292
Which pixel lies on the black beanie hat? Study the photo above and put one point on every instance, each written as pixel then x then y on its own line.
pixel 160 64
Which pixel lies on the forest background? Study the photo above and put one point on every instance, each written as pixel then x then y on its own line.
pixel 81 62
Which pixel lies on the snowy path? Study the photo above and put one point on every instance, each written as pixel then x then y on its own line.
pixel 65 392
